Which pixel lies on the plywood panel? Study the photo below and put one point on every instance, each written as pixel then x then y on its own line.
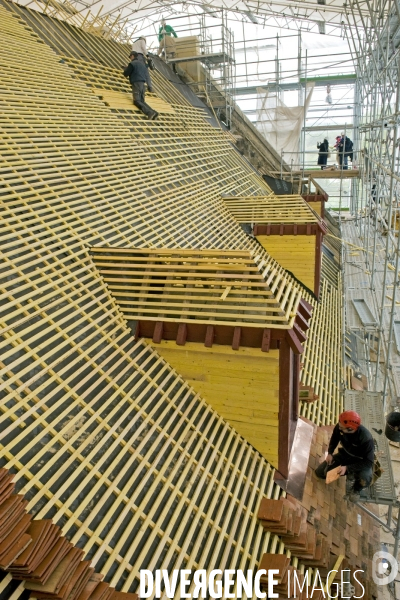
pixel 293 252
pixel 242 385
pixel 317 206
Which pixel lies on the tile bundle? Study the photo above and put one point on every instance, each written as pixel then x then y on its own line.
pixel 36 553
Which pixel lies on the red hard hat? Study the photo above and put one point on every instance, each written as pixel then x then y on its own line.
pixel 351 419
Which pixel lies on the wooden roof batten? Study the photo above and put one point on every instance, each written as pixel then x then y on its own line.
pixel 275 211
pixel 216 296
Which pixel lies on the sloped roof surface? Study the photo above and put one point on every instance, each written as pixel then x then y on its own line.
pixel 236 288
pixel 271 209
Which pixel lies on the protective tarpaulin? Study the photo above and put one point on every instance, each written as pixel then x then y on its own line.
pixel 280 124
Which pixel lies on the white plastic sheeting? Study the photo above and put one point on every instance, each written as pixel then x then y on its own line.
pixel 280 124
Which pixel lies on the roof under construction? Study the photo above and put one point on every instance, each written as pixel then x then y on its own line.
pixel 235 288
pixel 135 432
pixel 273 210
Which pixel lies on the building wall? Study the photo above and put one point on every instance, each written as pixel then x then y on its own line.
pixel 242 385
pixel 294 252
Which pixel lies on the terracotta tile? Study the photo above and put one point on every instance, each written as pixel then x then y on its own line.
pixel 270 510
pixel 274 561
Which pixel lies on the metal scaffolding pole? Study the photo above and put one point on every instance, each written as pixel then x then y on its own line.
pixel 388 237
pixel 375 48
pixel 378 98
pixel 304 119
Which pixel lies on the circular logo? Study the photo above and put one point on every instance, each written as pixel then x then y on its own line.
pixel 384 568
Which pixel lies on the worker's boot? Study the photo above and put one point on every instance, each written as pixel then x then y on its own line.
pixel 353 496
pixel 352 489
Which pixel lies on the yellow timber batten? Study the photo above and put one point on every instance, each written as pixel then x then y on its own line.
pixel 271 209
pixel 207 287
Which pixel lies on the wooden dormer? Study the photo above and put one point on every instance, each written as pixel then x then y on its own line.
pixel 232 323
pixel 318 199
pixel 288 228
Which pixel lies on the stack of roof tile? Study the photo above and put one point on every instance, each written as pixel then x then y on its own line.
pixel 283 517
pixel 296 533
pixel 307 394
pixel 278 562
pixel 36 553
pixel 13 522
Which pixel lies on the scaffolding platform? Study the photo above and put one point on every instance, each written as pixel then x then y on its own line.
pixel 369 407
pixel 323 174
pixel 215 58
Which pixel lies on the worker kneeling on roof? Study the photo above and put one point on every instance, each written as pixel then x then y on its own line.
pixel 355 456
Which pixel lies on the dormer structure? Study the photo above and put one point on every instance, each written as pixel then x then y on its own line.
pixel 232 323
pixel 288 228
pixel 318 200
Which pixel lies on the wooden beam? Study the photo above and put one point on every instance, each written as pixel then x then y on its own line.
pixel 289 229
pixel 182 334
pixel 137 330
pixel 294 342
pixel 301 321
pixel 299 333
pixel 305 309
pixel 158 332
pixel 237 333
pixel 296 387
pixel 285 406
pixel 209 339
pixel 266 340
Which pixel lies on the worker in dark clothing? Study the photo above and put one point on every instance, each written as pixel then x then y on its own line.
pixel 138 75
pixel 323 153
pixel 355 456
pixel 345 151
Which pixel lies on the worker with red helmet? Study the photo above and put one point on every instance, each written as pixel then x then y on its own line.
pixel 355 455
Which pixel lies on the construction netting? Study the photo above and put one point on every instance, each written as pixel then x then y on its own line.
pixel 281 125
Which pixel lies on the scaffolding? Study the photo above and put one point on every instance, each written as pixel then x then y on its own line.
pixel 368 213
pixel 375 199
pixel 374 40
pixel 371 252
pixel 211 46
pixel 283 68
